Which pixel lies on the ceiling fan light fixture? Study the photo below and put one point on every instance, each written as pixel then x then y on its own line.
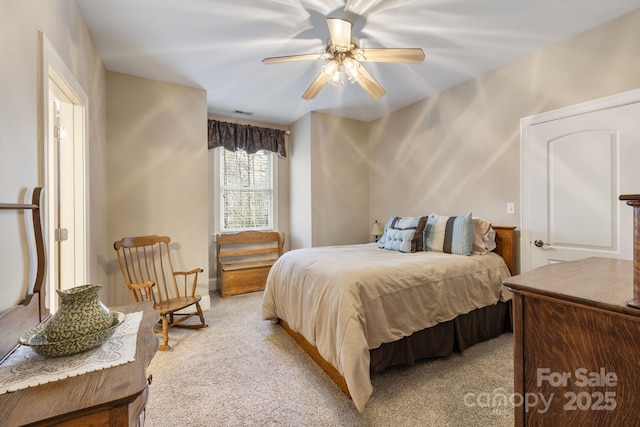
pixel 333 70
pixel 351 69
pixel 358 54
pixel 344 54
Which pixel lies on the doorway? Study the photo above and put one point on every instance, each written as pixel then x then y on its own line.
pixel 576 162
pixel 64 108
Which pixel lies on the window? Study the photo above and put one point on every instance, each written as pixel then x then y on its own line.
pixel 246 190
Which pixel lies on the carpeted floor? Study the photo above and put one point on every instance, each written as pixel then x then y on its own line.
pixel 243 371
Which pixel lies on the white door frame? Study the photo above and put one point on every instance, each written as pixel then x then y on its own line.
pixel 53 67
pixel 617 100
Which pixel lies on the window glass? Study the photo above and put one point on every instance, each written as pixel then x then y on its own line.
pixel 246 190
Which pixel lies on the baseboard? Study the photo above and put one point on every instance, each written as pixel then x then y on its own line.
pixel 213 284
pixel 205 302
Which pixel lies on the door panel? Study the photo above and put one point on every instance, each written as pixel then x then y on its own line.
pixel 580 172
pixel 65 199
pixel 577 166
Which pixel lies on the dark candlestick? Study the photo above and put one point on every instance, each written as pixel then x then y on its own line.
pixel 634 200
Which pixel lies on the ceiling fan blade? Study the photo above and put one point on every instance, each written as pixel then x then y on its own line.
pixel 315 87
pixel 369 84
pixel 306 57
pixel 340 31
pixel 406 55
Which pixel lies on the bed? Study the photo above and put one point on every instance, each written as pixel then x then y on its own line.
pixel 357 309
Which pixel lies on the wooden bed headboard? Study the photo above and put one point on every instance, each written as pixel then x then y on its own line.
pixel 32 310
pixel 506 245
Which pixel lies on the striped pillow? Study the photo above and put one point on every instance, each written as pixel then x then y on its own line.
pixel 449 234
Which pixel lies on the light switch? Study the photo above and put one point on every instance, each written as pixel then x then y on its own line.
pixel 511 208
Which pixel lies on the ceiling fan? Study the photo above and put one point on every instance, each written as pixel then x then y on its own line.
pixel 344 54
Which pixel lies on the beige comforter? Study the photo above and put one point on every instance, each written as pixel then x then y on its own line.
pixel 346 300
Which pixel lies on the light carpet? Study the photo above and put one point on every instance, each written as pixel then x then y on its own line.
pixel 243 371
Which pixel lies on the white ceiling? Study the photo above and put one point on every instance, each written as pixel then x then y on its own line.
pixel 218 45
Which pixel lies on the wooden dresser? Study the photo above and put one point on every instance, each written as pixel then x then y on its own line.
pixel 576 345
pixel 110 397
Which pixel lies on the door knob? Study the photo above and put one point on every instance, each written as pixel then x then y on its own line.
pixel 539 243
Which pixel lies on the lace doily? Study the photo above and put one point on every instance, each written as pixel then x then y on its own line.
pixel 25 368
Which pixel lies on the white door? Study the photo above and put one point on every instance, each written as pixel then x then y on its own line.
pixel 64 139
pixel 63 256
pixel 576 165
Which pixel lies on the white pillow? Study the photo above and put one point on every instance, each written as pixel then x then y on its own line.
pixel 490 240
pixel 484 236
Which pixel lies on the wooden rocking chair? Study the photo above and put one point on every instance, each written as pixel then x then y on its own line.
pixel 145 262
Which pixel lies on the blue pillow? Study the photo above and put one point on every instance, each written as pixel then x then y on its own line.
pixel 413 223
pixel 449 234
pixel 399 240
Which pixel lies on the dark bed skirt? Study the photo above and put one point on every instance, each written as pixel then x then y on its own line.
pixel 445 338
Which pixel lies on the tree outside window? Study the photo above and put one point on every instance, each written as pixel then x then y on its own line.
pixel 246 190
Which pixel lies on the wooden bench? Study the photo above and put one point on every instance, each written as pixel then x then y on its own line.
pixel 245 258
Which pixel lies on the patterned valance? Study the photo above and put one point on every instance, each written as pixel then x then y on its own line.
pixel 251 139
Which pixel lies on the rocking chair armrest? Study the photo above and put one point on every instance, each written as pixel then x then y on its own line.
pixel 142 291
pixel 138 286
pixel 186 273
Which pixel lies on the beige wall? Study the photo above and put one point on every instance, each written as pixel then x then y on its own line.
pixel 21 153
pixel 300 184
pixel 339 180
pixel 157 171
pixel 459 151
pixel 329 181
